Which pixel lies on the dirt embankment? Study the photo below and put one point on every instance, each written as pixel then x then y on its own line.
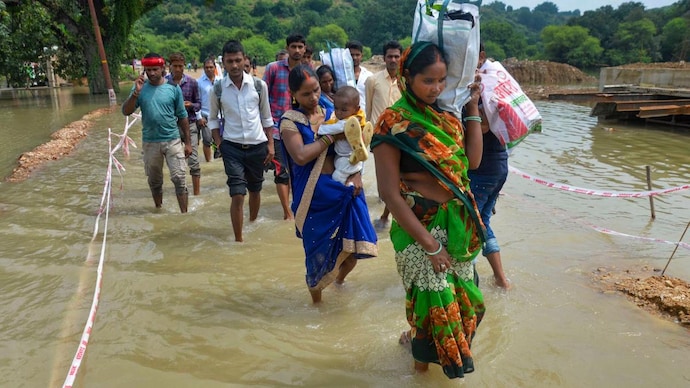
pixel 546 73
pixel 664 296
pixel 538 79
pixel 61 144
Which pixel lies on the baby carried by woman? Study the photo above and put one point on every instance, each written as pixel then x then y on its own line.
pixel 349 119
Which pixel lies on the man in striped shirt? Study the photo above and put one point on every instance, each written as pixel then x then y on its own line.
pixel 192 102
pixel 276 78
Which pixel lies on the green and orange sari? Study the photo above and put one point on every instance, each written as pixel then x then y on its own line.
pixel 443 309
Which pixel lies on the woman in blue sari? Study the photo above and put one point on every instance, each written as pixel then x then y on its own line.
pixel 332 219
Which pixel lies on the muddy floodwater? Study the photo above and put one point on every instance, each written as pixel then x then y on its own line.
pixel 182 305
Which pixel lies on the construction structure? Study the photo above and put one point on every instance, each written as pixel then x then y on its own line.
pixel 658 93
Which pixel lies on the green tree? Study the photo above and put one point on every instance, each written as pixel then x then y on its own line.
pixel 635 40
pixel 70 25
pixel 547 7
pixel 675 40
pixel 306 20
pixel 271 28
pixel 319 6
pixel 5 45
pixel 494 50
pixel 572 45
pixel 171 24
pixel 504 35
pixel 28 36
pixel 210 43
pixel 261 8
pixel 257 46
pixel 601 24
pixel 318 36
pixel 283 9
pixel 384 20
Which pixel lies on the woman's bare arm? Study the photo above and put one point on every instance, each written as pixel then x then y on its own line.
pixel 301 153
pixel 474 140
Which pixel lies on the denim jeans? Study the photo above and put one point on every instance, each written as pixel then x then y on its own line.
pixel 485 189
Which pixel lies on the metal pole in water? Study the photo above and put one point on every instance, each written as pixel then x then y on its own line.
pixel 676 248
pixel 649 187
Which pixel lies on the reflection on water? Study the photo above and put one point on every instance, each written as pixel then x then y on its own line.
pixel 183 305
pixel 29 116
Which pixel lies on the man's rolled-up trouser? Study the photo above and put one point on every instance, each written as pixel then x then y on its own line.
pixel 172 152
pixel 193 160
pixel 206 136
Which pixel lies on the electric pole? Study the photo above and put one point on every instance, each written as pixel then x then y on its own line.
pixel 101 53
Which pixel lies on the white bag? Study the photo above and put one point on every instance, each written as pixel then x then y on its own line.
pixel 340 60
pixel 512 115
pixel 454 26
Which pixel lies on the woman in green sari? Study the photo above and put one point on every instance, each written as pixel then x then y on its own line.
pixel 422 157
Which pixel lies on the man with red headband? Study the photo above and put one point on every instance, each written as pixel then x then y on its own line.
pixel 162 110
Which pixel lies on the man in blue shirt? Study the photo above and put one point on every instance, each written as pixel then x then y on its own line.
pixel 162 110
pixel 205 91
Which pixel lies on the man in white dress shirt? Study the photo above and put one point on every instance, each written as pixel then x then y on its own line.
pixel 361 72
pixel 246 143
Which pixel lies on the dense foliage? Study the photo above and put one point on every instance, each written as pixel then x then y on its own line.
pixel 41 29
pixel 606 36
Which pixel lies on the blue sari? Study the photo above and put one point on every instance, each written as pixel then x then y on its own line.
pixel 326 102
pixel 330 220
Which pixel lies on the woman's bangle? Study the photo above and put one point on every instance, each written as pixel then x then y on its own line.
pixel 436 252
pixel 327 140
pixel 473 118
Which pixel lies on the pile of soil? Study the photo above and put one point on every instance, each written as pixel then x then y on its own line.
pixel 538 79
pixel 375 63
pixel 664 296
pixel 547 73
pixel 63 142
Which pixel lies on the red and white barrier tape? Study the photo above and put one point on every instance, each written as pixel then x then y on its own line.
pixel 650 239
pixel 125 142
pixel 600 229
pixel 600 193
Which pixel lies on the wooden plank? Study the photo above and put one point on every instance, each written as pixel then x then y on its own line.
pixel 613 97
pixel 662 111
pixel 632 106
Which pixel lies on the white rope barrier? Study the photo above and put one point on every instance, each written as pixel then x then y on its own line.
pixel 124 143
pixel 594 192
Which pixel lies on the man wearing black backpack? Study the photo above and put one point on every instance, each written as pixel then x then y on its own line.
pixel 246 142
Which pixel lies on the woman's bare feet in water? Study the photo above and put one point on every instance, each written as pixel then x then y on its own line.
pixel 345 268
pixel 315 296
pixel 503 282
pixel 421 367
pixel 406 341
pixel 500 278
